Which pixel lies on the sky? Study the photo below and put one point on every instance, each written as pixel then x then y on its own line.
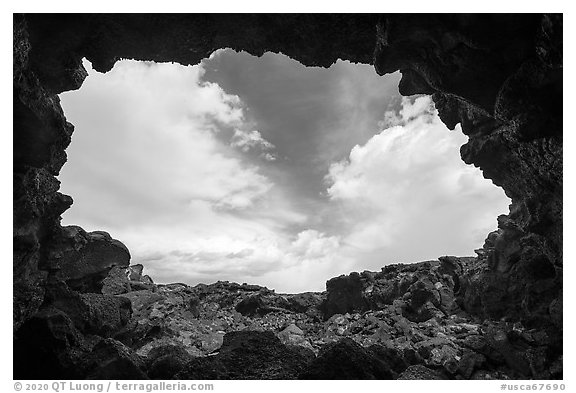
pixel 261 170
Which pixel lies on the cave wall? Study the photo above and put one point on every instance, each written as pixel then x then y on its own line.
pixel 499 76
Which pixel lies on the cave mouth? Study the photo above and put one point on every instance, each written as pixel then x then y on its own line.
pixel 264 171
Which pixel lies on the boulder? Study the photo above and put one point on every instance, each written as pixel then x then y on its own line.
pixel 344 294
pixel 85 259
pixel 248 355
pixel 293 335
pixel 122 280
pixel 346 359
pixel 116 282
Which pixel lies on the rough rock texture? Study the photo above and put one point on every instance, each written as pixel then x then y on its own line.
pixel 178 331
pixel 247 355
pixel 503 84
pixel 83 260
pixel 197 318
pixel 498 76
pixel 426 289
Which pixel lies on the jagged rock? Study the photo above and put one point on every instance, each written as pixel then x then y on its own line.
pixel 85 259
pixel 91 313
pixel 134 272
pixel 345 294
pixel 122 280
pixel 247 355
pixel 346 359
pixel 116 282
pixel 423 290
pixel 164 318
pixel 36 204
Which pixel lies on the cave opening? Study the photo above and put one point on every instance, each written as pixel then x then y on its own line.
pixel 499 316
pixel 261 170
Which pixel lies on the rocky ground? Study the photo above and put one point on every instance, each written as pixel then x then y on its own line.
pixel 404 322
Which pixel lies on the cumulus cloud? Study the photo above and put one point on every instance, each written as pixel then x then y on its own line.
pixel 174 166
pixel 407 194
pixel 148 163
pixel 311 244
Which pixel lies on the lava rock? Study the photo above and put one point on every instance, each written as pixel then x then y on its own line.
pixel 91 312
pixel 247 355
pixel 85 259
pixel 346 359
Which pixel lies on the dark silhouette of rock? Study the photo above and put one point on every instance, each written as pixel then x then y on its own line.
pixel 247 355
pixel 345 293
pixel 423 290
pixel 84 259
pixel 346 359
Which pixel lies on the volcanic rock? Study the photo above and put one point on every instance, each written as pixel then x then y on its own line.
pixel 425 290
pixel 346 359
pixel 248 355
pixel 85 259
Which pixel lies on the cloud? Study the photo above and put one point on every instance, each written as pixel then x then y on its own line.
pixel 149 163
pixel 407 194
pixel 246 140
pixel 264 259
pixel 311 244
pixel 182 172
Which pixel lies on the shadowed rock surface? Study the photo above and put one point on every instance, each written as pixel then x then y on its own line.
pixel 77 303
pixel 248 355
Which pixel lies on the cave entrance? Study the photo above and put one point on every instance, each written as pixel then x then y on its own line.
pixel 264 171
